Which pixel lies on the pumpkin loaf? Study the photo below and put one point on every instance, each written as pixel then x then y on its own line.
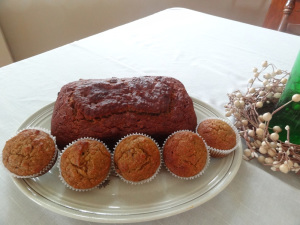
pixel 109 109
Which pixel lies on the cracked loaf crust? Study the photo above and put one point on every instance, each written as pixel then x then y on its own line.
pixel 85 164
pixel 136 158
pixel 109 109
pixel 185 154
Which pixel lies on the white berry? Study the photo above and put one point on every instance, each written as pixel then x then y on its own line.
pixel 245 122
pixel 251 133
pixel 267 76
pixel 263 150
pixel 259 104
pixel 284 168
pixel 259 131
pixel 289 163
pixel 239 95
pixel 262 125
pixel 283 81
pixel 264 64
pixel 247 152
pixel 267 116
pixel 262 93
pixel 228 114
pixel 273 144
pixel 265 82
pixel 296 98
pixel 277 129
pixel 269 95
pixel 237 103
pixel 251 90
pixel 264 143
pixel 274 136
pixel 242 103
pixel 277 95
pixel 269 160
pixel 271 152
pixel 261 159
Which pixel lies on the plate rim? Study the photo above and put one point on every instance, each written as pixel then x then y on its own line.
pixel 193 203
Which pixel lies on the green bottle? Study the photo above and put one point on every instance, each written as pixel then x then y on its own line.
pixel 289 114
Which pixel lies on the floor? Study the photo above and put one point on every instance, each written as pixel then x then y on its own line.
pixel 33 27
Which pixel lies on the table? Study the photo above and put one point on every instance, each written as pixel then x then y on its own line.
pixel 212 56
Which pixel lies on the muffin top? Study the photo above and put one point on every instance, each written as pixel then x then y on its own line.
pixel 185 154
pixel 217 134
pixel 136 158
pixel 85 164
pixel 29 152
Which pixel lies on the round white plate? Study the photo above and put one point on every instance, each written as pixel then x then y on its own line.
pixel 119 202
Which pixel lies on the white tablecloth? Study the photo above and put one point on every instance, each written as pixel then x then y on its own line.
pixel 210 55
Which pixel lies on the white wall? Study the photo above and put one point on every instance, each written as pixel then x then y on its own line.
pixel 34 26
pixel 5 57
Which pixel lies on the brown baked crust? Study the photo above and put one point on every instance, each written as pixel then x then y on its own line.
pixel 85 164
pixel 29 153
pixel 136 158
pixel 185 154
pixel 217 134
pixel 112 108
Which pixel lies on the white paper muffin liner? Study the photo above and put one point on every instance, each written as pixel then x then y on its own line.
pixel 48 167
pixel 220 153
pixel 142 181
pixel 60 175
pixel 207 158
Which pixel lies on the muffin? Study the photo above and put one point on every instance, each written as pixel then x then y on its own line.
pixel 84 164
pixel 30 153
pixel 137 159
pixel 220 136
pixel 185 154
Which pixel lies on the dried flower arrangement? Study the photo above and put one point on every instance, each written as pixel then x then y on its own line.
pixel 252 112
